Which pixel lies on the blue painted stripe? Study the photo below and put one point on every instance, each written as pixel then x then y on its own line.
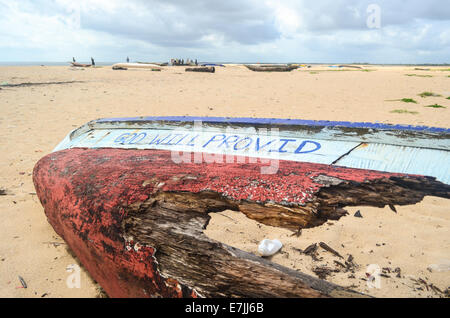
pixel 276 121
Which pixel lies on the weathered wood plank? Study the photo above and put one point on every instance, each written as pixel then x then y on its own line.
pixel 135 218
pixel 271 68
pixel 201 69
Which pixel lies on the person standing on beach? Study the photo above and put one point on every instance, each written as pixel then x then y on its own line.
pixel 73 59
pixel 128 59
pixel 93 62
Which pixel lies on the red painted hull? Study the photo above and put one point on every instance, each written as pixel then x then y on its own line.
pixel 84 192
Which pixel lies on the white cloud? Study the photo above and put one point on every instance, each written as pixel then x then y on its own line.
pixel 234 30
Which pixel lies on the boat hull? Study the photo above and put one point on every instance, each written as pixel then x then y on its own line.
pixel 136 65
pixel 95 199
pixel 132 196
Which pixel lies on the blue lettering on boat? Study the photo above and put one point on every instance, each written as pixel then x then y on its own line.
pixel 225 142
pixel 123 138
pixel 190 143
pixel 285 142
pixel 137 138
pixel 258 146
pixel 178 142
pixel 304 143
pixel 213 139
pixel 250 141
pixel 157 141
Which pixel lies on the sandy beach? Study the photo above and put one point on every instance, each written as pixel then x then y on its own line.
pixel 35 118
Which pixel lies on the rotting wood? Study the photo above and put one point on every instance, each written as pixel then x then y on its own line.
pixel 173 224
pixel 379 193
pixel 28 84
pixel 329 249
pixel 135 219
pixel 74 64
pixel 119 68
pixel 201 69
pixel 271 68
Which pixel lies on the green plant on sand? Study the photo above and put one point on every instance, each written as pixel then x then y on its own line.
pixel 436 106
pixel 403 111
pixel 418 75
pixel 429 94
pixel 408 100
pixel 405 100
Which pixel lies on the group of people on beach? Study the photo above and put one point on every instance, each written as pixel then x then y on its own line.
pixel 181 62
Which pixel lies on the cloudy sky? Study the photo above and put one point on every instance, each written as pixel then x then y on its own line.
pixel 383 31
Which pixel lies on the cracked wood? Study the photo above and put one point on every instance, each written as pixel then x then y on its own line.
pixel 134 218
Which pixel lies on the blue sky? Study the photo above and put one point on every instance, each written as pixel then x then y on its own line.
pixel 414 31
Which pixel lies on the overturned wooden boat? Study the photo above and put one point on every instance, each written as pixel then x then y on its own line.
pixel 131 196
pixel 212 64
pixel 272 68
pixel 75 64
pixel 136 65
pixel 203 69
pixel 119 68
pixel 351 66
pixel 154 63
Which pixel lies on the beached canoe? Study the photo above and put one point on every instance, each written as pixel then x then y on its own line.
pixel 272 68
pixel 212 64
pixel 136 65
pixel 74 64
pixel 131 196
pixel 201 69
pixel 153 63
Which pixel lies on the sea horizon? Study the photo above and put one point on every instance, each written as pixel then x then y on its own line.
pixel 103 63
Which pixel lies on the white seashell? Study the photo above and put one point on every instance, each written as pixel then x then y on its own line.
pixel 443 267
pixel 269 247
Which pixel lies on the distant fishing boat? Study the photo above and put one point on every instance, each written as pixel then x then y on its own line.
pixel 351 66
pixel 152 63
pixel 131 196
pixel 136 65
pixel 203 69
pixel 271 68
pixel 212 64
pixel 75 64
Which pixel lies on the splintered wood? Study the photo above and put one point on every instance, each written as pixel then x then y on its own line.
pixel 135 219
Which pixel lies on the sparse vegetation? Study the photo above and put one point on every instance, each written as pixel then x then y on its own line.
pixel 408 100
pixel 404 111
pixel 435 106
pixel 405 100
pixel 429 94
pixel 313 72
pixel 418 75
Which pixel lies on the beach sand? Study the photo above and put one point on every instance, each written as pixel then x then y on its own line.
pixel 34 119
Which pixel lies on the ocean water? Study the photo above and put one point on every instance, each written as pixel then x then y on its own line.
pixel 19 63
pixel 53 63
